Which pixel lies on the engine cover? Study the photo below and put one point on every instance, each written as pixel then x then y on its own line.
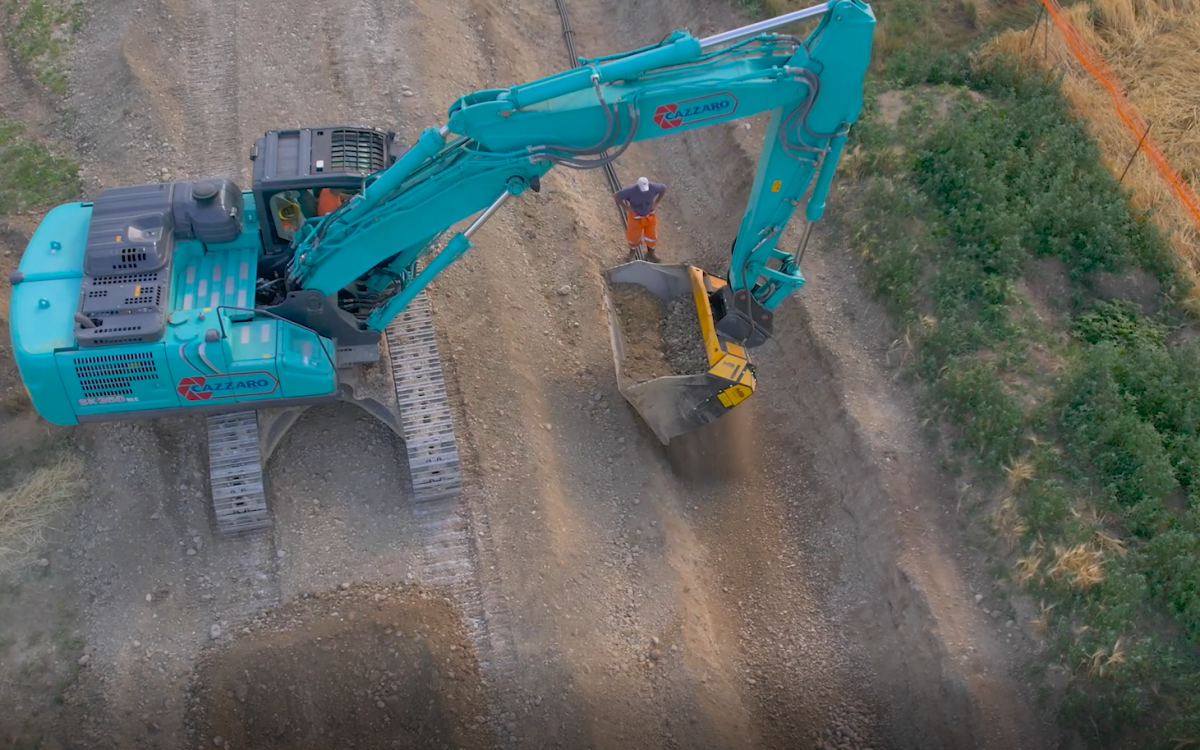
pixel 130 244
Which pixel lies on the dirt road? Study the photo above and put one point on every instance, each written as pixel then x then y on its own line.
pixel 794 578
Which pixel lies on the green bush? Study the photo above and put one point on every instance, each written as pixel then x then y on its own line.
pixel 892 248
pixel 1172 565
pixel 1102 426
pixel 1017 178
pixel 976 401
pixel 947 239
pixel 31 174
pixel 39 36
pixel 1048 505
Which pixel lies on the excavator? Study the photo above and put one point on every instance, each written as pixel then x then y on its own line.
pixel 249 306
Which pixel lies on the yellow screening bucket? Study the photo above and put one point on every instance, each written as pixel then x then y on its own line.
pixel 673 404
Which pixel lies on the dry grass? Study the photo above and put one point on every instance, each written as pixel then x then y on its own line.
pixel 15 401
pixel 27 509
pixel 1010 527
pixel 1041 623
pixel 1110 544
pixel 1027 568
pixel 1153 46
pixel 1018 471
pixel 1103 659
pixel 1082 565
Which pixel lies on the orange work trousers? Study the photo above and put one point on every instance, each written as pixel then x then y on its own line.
pixel 637 230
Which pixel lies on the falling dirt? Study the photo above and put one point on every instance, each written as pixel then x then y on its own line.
pixel 660 339
pixel 368 667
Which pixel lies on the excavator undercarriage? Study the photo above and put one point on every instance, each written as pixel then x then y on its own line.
pixel 405 390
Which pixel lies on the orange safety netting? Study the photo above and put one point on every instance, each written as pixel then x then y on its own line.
pixel 1129 115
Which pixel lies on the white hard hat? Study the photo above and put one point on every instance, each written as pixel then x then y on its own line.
pixel 643 184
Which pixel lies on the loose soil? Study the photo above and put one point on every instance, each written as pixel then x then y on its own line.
pixel 368 667
pixel 640 313
pixel 683 338
pixel 660 339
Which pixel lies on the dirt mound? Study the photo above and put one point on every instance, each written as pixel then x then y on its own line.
pixel 368 667
pixel 660 339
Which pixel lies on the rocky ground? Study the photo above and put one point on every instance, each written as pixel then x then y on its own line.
pixel 793 577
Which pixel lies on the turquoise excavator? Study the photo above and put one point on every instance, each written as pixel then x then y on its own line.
pixel 196 297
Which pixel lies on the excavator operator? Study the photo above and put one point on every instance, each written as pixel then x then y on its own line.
pixel 329 199
pixel 640 201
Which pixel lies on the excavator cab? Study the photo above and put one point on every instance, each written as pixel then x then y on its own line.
pixel 297 170
pixel 679 341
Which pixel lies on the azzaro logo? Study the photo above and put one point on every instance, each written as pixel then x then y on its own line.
pixel 201 388
pixel 691 111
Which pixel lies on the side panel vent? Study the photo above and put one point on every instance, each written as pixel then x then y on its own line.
pixel 110 375
pixel 131 278
pixel 122 328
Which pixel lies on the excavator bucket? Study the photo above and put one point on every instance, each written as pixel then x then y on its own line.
pixel 673 366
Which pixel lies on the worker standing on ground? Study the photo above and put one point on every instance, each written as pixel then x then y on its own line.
pixel 640 201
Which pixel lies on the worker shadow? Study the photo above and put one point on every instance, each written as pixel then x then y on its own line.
pixel 717 453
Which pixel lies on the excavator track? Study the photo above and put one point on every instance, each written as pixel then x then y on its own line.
pixel 235 473
pixel 452 536
pixel 425 418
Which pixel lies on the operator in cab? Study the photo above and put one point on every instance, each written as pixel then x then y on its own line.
pixel 329 199
pixel 640 201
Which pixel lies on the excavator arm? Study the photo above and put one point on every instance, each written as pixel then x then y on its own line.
pixel 382 247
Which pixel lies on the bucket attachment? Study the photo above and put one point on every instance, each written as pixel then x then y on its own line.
pixel 670 401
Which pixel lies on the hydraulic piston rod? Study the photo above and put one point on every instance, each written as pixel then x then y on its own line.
pixel 770 23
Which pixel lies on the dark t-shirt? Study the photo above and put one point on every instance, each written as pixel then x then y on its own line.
pixel 642 202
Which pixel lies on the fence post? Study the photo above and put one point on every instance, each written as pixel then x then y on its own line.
pixel 1037 25
pixel 1133 156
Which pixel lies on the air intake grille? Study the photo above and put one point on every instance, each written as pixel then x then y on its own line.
pixel 114 374
pixel 112 296
pixel 130 258
pixel 131 278
pixel 357 151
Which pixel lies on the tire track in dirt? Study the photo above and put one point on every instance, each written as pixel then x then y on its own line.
pixel 124 103
pixel 208 36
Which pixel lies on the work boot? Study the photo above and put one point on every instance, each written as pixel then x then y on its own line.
pixel 650 256
pixel 632 255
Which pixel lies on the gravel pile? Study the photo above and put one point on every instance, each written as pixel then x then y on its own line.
pixel 660 339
